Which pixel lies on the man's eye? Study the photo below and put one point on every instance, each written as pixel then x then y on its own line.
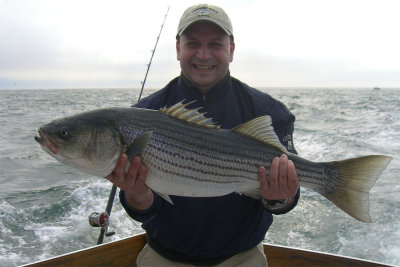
pixel 216 44
pixel 191 44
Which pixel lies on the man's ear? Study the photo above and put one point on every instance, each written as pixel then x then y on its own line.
pixel 232 48
pixel 178 57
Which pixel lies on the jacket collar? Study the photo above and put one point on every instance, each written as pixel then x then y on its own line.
pixel 217 91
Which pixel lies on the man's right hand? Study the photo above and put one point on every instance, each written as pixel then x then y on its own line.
pixel 137 194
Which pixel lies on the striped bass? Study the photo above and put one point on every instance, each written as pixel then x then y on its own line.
pixel 187 155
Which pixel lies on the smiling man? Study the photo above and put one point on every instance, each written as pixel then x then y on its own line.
pixel 204 52
pixel 212 231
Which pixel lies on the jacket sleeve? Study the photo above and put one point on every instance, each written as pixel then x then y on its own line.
pixel 142 215
pixel 283 123
pixel 286 209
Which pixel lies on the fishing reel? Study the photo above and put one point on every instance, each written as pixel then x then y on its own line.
pixel 101 220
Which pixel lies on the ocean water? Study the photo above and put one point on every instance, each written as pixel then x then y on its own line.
pixel 44 205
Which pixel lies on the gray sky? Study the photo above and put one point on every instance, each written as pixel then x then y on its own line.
pixel 107 44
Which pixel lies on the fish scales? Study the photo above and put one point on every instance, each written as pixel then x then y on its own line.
pixel 216 157
pixel 201 165
pixel 204 143
pixel 201 145
pixel 198 154
pixel 211 154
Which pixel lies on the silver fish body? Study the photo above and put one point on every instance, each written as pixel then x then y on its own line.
pixel 187 155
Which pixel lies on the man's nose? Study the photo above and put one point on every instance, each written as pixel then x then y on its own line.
pixel 204 52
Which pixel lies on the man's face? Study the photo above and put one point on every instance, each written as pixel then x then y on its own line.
pixel 204 52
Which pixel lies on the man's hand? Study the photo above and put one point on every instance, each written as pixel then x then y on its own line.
pixel 137 193
pixel 282 183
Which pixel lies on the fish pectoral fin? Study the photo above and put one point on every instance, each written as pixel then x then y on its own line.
pixel 165 197
pixel 137 147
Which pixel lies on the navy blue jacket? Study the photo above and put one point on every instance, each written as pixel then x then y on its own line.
pixel 208 230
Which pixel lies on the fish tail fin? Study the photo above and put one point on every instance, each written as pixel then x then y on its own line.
pixel 357 176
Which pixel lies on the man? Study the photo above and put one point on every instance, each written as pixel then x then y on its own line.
pixel 225 230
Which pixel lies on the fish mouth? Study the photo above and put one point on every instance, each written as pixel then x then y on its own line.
pixel 43 139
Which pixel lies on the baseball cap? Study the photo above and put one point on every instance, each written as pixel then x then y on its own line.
pixel 205 12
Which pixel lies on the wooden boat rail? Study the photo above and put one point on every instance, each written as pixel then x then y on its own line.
pixel 123 253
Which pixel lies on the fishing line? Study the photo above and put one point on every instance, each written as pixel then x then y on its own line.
pixel 102 219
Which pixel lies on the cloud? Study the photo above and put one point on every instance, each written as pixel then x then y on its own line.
pixel 288 43
pixel 269 71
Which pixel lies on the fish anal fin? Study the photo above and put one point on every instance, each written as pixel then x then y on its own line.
pixel 165 197
pixel 253 194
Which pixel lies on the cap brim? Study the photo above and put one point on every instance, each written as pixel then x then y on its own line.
pixel 203 20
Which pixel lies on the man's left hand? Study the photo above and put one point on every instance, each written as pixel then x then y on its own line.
pixel 282 183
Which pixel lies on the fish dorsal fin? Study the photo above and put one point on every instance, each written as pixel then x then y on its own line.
pixel 261 130
pixel 193 116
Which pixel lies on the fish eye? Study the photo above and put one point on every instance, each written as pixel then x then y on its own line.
pixel 64 132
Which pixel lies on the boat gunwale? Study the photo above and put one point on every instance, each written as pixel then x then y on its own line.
pixel 269 249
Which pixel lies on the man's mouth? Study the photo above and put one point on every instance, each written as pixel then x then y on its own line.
pixel 203 67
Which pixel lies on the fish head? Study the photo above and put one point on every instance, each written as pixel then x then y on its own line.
pixel 82 142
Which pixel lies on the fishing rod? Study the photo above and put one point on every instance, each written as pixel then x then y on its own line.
pixel 103 219
pixel 152 54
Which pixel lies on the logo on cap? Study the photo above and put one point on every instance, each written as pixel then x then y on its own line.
pixel 202 12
